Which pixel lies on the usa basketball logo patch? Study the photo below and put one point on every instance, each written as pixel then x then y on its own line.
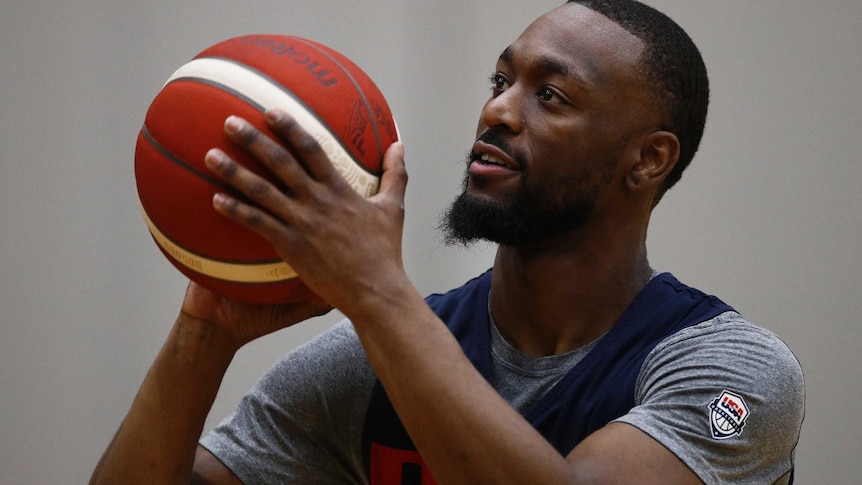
pixel 727 415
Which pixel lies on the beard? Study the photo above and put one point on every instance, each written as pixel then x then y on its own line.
pixel 533 214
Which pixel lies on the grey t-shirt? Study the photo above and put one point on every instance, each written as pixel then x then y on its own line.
pixel 725 396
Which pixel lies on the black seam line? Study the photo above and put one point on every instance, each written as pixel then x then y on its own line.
pixel 185 165
pixel 227 188
pixel 222 87
pixel 296 98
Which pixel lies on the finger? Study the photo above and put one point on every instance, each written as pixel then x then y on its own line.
pixel 256 188
pixel 393 182
pixel 251 217
pixel 273 155
pixel 308 151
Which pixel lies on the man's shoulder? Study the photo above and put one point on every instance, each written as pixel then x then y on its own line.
pixel 728 333
pixel 723 388
pixel 723 356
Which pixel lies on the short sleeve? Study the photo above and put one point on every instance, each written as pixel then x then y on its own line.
pixel 727 398
pixel 302 422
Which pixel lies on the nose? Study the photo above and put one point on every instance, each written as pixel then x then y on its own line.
pixel 503 111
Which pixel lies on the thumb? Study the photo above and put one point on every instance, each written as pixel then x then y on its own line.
pixel 393 182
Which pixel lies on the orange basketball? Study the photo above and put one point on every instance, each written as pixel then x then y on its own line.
pixel 332 98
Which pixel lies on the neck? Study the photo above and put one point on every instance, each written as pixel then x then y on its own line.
pixel 565 293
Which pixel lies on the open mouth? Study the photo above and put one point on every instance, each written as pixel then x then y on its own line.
pixel 486 159
pixel 489 155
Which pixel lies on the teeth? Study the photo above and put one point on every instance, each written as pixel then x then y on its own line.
pixel 492 160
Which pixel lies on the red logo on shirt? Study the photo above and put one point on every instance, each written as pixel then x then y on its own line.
pixel 391 466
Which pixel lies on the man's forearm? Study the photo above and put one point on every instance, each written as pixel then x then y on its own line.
pixel 464 430
pixel 157 440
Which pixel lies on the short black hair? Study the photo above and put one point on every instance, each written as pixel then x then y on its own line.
pixel 673 68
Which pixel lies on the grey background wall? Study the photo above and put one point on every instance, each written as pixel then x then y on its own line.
pixel 768 217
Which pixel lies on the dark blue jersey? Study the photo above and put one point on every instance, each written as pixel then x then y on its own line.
pixel 599 389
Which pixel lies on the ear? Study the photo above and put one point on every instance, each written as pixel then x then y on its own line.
pixel 658 155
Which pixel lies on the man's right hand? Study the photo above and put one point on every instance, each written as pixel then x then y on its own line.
pixel 243 322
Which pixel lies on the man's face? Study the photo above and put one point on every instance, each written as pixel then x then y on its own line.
pixel 566 102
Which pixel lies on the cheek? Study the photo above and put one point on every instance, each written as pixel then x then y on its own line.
pixel 557 155
pixel 562 137
pixel 547 145
pixel 591 151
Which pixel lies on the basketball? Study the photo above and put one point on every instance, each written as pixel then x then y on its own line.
pixel 328 95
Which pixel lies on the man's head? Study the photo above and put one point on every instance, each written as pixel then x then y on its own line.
pixel 595 96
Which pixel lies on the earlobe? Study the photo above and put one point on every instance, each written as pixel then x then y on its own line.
pixel 658 155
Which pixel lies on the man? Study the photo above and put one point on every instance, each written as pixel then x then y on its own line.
pixel 572 361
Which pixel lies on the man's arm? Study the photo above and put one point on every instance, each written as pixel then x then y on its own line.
pixel 467 433
pixel 157 441
pixel 348 250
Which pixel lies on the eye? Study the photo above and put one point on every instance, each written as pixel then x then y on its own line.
pixel 499 83
pixel 548 95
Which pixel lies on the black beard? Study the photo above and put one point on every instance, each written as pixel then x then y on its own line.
pixel 528 219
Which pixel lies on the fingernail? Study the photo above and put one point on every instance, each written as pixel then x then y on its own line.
pixel 219 199
pixel 397 149
pixel 232 124
pixel 274 115
pixel 213 158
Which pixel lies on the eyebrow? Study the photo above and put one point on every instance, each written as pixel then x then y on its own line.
pixel 551 65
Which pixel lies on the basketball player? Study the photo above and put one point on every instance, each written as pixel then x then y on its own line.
pixel 571 361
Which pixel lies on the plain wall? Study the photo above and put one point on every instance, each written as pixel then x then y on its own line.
pixel 767 217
